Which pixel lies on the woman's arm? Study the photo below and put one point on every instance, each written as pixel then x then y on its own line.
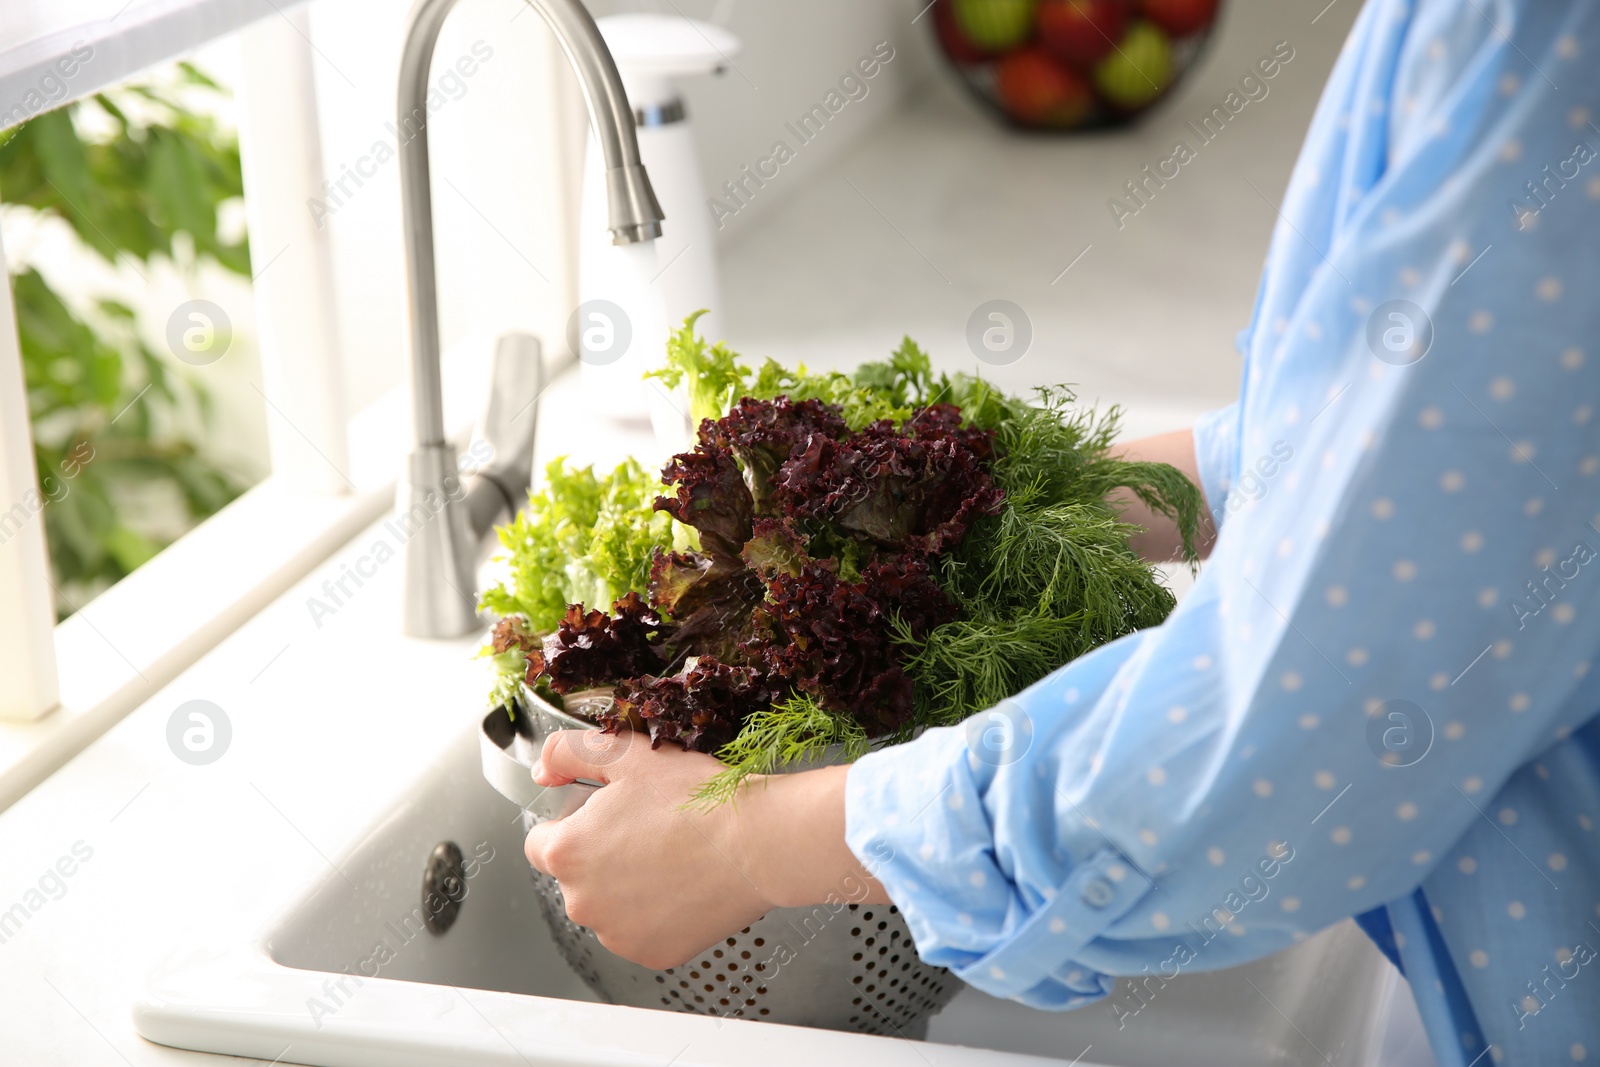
pixel 1160 542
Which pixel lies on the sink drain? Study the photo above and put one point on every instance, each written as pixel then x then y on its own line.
pixel 444 887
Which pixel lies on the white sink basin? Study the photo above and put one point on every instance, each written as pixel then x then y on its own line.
pixel 493 989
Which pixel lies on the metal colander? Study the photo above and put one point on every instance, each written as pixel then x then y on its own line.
pixel 841 965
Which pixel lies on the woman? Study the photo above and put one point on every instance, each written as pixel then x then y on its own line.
pixel 1379 700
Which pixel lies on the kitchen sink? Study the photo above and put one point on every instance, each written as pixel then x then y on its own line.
pixel 350 977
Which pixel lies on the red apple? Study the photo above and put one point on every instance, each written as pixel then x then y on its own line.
pixel 1180 17
pixel 1081 32
pixel 957 45
pixel 1038 91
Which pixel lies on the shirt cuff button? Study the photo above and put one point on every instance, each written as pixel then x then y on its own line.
pixel 1097 893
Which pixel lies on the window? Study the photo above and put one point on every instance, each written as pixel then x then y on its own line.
pixel 123 221
pixel 303 284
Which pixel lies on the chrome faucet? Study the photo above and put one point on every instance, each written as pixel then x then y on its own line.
pixel 445 512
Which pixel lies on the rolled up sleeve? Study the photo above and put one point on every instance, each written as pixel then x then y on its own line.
pixel 1216 452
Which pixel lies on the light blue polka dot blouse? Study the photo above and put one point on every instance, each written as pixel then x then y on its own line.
pixel 1380 698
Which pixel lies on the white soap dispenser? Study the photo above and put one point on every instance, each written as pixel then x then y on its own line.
pixel 656 283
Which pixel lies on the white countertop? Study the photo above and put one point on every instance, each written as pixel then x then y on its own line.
pixel 948 210
pixel 328 721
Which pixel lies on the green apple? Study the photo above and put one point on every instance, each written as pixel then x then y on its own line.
pixel 995 24
pixel 1138 70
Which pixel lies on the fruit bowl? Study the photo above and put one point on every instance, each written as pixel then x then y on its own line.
pixel 1072 64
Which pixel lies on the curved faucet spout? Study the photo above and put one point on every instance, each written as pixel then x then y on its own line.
pixel 635 214
pixel 441 557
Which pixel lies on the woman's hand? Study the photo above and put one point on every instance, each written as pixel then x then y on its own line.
pixel 656 882
pixel 1160 541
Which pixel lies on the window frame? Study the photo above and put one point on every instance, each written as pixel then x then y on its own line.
pixel 68 683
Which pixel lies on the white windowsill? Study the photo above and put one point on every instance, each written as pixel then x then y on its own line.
pixel 136 637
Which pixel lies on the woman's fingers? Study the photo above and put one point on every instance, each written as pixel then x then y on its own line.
pixel 537 846
pixel 572 754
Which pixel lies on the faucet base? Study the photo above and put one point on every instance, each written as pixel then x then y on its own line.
pixel 440 597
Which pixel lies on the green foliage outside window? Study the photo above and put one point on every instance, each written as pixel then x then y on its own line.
pixel 139 177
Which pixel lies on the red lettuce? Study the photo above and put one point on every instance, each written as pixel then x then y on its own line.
pixel 919 489
pixel 592 648
pixel 710 597
pixel 700 708
pixel 763 434
pixel 711 495
pixel 709 593
pixel 832 639
pixel 814 542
